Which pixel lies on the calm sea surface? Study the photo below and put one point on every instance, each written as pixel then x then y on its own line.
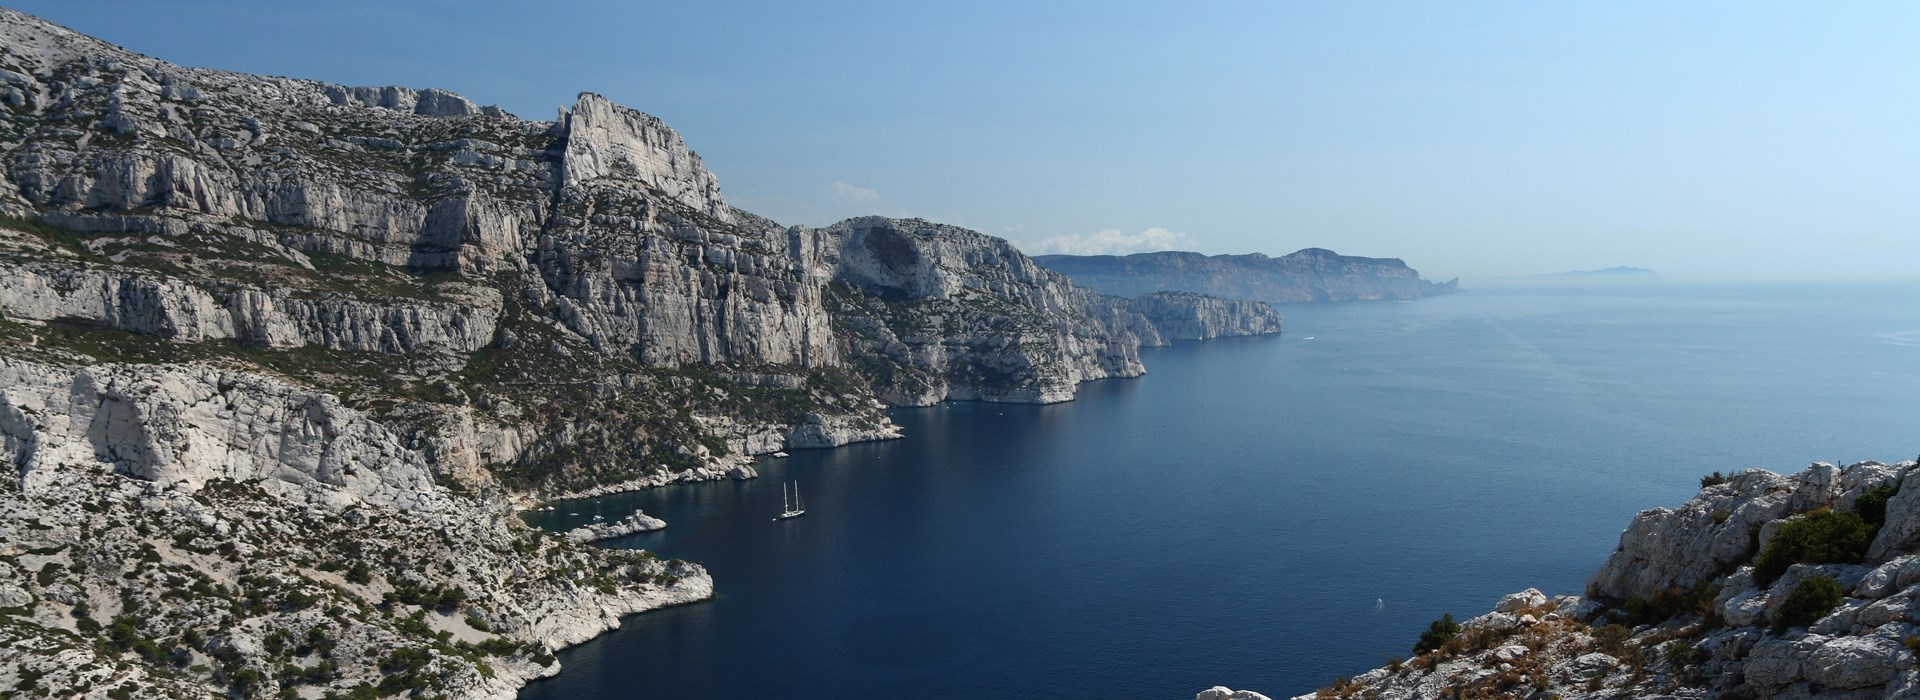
pixel 1263 513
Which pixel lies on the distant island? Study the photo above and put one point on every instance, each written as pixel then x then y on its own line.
pixel 1313 274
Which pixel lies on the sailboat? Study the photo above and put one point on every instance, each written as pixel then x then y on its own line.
pixel 794 507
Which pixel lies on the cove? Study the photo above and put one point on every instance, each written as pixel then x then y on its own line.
pixel 1264 513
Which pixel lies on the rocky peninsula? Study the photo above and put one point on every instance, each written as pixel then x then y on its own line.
pixel 636 522
pixel 1309 275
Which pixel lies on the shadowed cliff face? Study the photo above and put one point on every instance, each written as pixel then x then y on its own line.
pixel 1312 274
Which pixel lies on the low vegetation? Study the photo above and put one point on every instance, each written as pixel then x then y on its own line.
pixel 1822 537
pixel 1810 600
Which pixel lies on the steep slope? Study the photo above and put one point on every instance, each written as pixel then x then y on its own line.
pixel 581 284
pixel 1762 586
pixel 1312 274
pixel 277 357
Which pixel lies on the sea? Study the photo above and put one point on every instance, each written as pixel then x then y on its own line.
pixel 1266 513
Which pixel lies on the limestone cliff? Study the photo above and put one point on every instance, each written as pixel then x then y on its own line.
pixel 278 356
pixel 206 527
pixel 577 289
pixel 1312 274
pixel 1762 586
pixel 1189 316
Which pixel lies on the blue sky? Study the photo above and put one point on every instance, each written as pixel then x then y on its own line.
pixel 1703 139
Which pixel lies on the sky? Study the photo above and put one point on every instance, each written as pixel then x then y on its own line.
pixel 1701 139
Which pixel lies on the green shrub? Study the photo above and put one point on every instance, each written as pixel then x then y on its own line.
pixel 243 681
pixel 1667 603
pixel 1822 537
pixel 318 642
pixel 1872 504
pixel 1714 479
pixel 1438 634
pixel 359 573
pixel 1810 600
pixel 404 660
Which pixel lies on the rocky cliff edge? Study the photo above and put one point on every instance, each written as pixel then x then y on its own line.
pixel 1763 586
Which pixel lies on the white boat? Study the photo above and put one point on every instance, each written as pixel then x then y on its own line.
pixel 597 516
pixel 794 507
pixel 779 455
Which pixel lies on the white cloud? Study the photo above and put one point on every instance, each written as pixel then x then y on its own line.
pixel 1112 242
pixel 852 193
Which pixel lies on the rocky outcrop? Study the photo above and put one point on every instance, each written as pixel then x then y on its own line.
pixel 1221 692
pixel 188 425
pixel 1682 608
pixel 816 431
pixel 1679 548
pixel 607 141
pixel 935 312
pixel 633 523
pixel 1313 274
pixel 1189 316
pixel 229 526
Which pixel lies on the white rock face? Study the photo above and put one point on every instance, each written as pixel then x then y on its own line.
pixel 605 140
pixel 1516 602
pixel 635 522
pixel 1220 692
pixel 189 425
pixel 1666 548
pixel 184 311
pixel 1187 316
pixel 1899 573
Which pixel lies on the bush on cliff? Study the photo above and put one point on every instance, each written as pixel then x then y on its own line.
pixel 1822 537
pixel 1810 600
pixel 1872 505
pixel 1437 635
pixel 1666 603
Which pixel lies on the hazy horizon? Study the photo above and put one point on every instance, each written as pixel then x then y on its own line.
pixel 1722 140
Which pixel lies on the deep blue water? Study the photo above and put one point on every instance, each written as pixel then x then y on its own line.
pixel 1233 517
